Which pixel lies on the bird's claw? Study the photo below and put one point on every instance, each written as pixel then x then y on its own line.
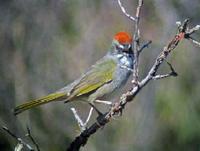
pixel 101 120
pixel 135 82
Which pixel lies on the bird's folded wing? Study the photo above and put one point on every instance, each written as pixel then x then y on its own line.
pixel 100 73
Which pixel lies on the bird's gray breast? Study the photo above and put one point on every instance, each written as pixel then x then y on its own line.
pixel 124 68
pixel 121 75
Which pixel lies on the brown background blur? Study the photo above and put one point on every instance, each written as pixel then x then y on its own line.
pixel 46 44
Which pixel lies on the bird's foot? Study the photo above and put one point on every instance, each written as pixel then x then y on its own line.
pixel 135 82
pixel 117 109
pixel 104 102
pixel 101 120
pixel 89 116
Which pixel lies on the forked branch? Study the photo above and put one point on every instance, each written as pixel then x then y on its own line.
pixel 136 43
pixel 20 142
pixel 117 108
pixel 125 12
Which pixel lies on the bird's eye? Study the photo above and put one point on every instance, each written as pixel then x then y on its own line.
pixel 128 46
pixel 121 46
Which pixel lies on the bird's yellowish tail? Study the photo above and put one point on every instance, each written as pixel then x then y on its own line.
pixel 49 98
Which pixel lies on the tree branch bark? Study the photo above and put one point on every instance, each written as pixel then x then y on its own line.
pixel 118 107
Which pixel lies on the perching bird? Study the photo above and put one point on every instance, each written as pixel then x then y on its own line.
pixel 105 77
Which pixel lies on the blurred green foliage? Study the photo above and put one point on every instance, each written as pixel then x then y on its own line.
pixel 46 44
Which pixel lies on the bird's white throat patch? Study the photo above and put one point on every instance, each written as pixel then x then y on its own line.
pixel 124 60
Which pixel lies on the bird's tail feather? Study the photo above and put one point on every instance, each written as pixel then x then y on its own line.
pixel 49 98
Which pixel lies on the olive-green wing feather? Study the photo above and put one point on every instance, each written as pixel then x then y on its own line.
pixel 100 74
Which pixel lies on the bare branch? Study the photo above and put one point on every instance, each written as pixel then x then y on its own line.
pixel 146 45
pixel 188 34
pixel 117 107
pixel 178 23
pixel 172 73
pixel 32 139
pixel 124 11
pixel 19 147
pixel 158 77
pixel 19 140
pixel 192 30
pixel 136 43
pixel 194 41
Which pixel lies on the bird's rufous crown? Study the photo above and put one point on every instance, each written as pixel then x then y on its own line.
pixel 123 38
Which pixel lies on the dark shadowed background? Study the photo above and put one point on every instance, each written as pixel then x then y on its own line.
pixel 46 44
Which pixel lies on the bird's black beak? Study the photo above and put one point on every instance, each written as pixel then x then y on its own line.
pixel 128 50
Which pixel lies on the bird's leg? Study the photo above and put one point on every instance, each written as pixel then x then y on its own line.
pixel 97 110
pixel 99 113
pixel 89 116
pixel 104 102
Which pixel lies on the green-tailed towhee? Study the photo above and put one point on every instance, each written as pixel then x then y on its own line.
pixel 106 76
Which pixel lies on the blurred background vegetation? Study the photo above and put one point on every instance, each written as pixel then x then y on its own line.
pixel 46 44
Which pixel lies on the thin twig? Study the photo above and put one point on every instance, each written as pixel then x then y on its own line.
pixel 18 147
pixel 194 41
pixel 32 139
pixel 136 43
pixel 172 73
pixel 192 30
pixel 124 11
pixel 188 34
pixel 20 141
pixel 146 45
pixel 158 77
pixel 117 108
